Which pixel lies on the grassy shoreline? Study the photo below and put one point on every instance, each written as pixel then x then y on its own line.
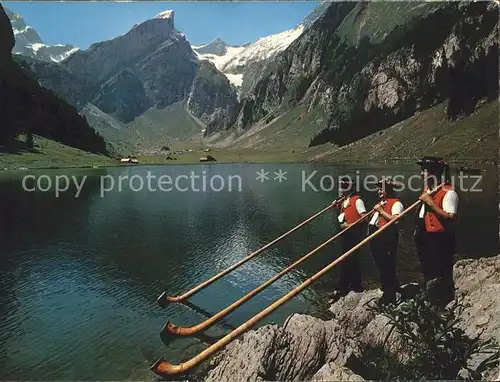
pixel 471 140
pixel 21 164
pixel 82 160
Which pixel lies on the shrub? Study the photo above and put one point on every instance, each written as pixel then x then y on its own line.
pixel 435 345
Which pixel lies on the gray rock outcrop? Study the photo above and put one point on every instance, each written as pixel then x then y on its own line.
pixel 478 287
pixel 101 60
pixel 212 98
pixel 367 74
pixel 122 96
pixel 56 77
pixel 295 351
pixel 330 372
pixel 308 348
pixel 151 65
pixel 217 47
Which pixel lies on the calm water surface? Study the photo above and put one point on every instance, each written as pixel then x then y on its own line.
pixel 79 276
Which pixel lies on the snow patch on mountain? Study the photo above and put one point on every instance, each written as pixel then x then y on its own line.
pixel 165 15
pixel 263 48
pixel 16 31
pixel 233 62
pixel 235 79
pixel 221 61
pixel 64 54
pixel 37 46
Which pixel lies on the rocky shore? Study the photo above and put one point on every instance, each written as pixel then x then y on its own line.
pixel 309 348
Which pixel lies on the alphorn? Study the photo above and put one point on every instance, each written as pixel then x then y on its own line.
pixel 163 368
pixel 163 299
pixel 186 331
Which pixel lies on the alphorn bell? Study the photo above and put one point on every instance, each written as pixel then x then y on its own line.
pixel 163 368
pixel 186 331
pixel 163 299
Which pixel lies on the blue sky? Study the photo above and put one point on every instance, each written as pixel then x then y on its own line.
pixel 83 23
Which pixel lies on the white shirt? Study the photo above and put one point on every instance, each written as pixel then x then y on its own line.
pixel 360 207
pixel 396 209
pixel 450 203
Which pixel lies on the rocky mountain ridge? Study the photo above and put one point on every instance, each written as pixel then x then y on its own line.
pixel 348 71
pixel 212 98
pixel 28 42
pixel 152 66
pixel 367 82
pixel 218 47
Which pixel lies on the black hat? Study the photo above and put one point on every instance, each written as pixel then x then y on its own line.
pixel 387 183
pixel 432 161
pixel 346 181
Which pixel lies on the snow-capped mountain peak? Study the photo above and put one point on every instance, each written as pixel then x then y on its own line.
pixel 235 61
pixel 217 47
pixel 165 15
pixel 265 47
pixel 231 59
pixel 29 43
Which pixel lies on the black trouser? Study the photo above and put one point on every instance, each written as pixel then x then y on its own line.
pixel 350 272
pixel 435 251
pixel 384 248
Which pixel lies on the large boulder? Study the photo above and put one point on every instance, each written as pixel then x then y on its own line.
pixel 308 348
pixel 331 372
pixel 295 351
pixel 478 288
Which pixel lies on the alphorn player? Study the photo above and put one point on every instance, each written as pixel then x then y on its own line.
pixel 350 209
pixel 435 228
pixel 384 247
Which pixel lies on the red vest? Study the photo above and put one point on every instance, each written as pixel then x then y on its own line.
pixel 432 221
pixel 350 212
pixel 389 202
